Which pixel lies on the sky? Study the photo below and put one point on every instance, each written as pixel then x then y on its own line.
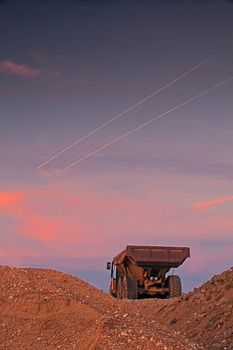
pixel 68 67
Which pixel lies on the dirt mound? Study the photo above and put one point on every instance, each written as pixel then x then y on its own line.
pixel 39 310
pixel 46 309
pixel 204 315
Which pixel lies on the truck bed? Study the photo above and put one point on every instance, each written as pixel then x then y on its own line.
pixel 154 255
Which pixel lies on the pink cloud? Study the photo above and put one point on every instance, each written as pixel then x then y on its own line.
pixel 11 202
pixel 10 67
pixel 39 226
pixel 32 221
pixel 207 204
pixel 92 223
pixel 53 214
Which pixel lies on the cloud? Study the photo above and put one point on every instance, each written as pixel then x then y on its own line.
pixel 31 220
pixel 10 67
pixel 11 202
pixel 85 222
pixel 78 222
pixel 40 226
pixel 211 203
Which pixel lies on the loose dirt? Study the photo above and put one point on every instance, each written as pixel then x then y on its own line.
pixel 204 315
pixel 46 309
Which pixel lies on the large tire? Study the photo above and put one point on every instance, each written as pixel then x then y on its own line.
pixel 110 289
pixel 129 288
pixel 119 288
pixel 174 285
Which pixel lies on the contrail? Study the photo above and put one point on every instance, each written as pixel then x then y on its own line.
pixel 151 121
pixel 125 111
pixel 207 204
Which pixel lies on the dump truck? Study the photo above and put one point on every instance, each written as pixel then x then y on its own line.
pixel 141 271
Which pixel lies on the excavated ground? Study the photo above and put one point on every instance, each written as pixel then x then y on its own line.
pixel 46 309
pixel 204 315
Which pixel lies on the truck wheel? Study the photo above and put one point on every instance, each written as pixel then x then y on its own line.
pixel 119 288
pixel 110 289
pixel 130 288
pixel 174 285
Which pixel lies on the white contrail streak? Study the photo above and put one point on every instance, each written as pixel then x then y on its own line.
pixel 151 121
pixel 125 111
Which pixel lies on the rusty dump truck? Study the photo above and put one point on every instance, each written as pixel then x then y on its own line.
pixel 140 271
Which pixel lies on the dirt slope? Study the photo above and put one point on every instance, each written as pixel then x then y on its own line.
pixel 204 315
pixel 46 309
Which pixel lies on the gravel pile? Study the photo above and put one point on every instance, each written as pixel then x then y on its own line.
pixel 46 309
pixel 205 315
